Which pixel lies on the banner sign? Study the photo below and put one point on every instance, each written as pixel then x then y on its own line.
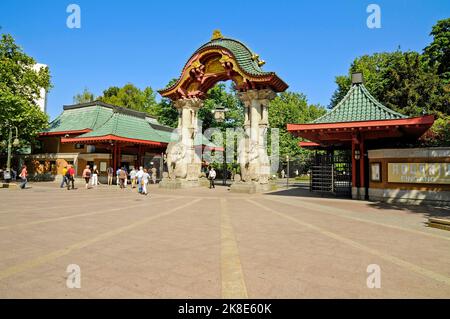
pixel 419 173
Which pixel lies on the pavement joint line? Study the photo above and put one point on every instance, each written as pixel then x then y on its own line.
pixel 232 277
pixel 10 271
pixel 326 210
pixel 84 205
pixel 56 219
pixel 397 261
pixel 70 200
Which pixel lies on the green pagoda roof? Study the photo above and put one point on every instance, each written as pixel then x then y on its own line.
pixel 127 126
pixel 87 116
pixel 358 105
pixel 97 119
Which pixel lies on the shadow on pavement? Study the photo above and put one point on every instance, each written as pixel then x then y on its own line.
pixel 426 210
pixel 301 190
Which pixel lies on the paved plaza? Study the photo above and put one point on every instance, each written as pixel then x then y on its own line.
pixel 202 243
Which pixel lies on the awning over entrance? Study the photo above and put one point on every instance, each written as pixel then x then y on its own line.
pixel 343 132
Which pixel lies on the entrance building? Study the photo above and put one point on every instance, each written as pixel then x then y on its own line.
pixel 105 135
pixel 357 124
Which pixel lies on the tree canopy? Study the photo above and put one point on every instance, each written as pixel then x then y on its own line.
pixel 409 82
pixel 84 97
pixel 20 85
pixel 131 97
pixel 290 107
pixel 437 53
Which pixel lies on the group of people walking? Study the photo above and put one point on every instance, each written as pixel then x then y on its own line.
pixel 138 178
pixel 90 176
pixel 68 175
pixel 11 175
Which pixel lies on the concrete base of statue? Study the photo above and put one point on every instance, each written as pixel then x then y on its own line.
pixel 252 187
pixel 178 183
pixel 204 182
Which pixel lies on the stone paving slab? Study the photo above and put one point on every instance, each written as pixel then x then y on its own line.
pixel 202 243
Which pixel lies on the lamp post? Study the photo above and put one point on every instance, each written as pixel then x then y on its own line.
pixel 219 116
pixel 16 142
pixel 287 171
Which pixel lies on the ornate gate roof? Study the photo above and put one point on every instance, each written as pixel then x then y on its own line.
pixel 222 59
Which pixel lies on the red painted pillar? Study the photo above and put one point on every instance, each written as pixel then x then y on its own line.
pixel 114 157
pixel 353 164
pixel 361 164
pixel 139 161
pixel 119 155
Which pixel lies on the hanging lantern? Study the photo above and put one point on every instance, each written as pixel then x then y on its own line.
pixel 219 113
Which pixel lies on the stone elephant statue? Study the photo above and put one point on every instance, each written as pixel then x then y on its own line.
pixel 176 164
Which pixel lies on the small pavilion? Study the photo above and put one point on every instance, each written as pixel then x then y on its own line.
pixel 358 123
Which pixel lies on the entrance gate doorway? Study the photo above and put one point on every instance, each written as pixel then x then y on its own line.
pixel 332 174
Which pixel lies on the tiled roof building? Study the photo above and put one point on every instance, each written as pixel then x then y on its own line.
pixel 105 135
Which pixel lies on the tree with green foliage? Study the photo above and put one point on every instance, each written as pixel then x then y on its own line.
pixel 166 113
pixel 84 97
pixel 290 107
pixel 409 83
pixel 221 96
pixel 165 110
pixel 400 80
pixel 437 53
pixel 130 96
pixel 20 87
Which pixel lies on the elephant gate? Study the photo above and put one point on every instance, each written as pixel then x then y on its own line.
pixel 222 59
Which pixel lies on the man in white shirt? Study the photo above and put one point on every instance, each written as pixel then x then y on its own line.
pixel 139 176
pixel 212 177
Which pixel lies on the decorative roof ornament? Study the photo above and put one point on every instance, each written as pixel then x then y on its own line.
pixel 255 57
pixel 217 35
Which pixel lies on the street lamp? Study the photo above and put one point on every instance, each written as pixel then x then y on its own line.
pixel 287 180
pixel 219 116
pixel 15 143
pixel 219 113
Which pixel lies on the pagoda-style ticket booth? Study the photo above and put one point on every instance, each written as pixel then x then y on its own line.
pixel 355 125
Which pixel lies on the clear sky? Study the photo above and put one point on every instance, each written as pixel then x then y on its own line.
pixel 148 42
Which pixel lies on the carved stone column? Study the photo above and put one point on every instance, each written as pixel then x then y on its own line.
pixel 182 160
pixel 253 158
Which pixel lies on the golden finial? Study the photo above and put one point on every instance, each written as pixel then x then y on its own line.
pixel 261 62
pixel 217 35
pixel 255 57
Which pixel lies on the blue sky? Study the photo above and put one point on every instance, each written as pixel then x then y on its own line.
pixel 147 43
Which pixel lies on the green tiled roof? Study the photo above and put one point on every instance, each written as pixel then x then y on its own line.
pixel 75 119
pixel 104 119
pixel 241 52
pixel 358 105
pixel 127 126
